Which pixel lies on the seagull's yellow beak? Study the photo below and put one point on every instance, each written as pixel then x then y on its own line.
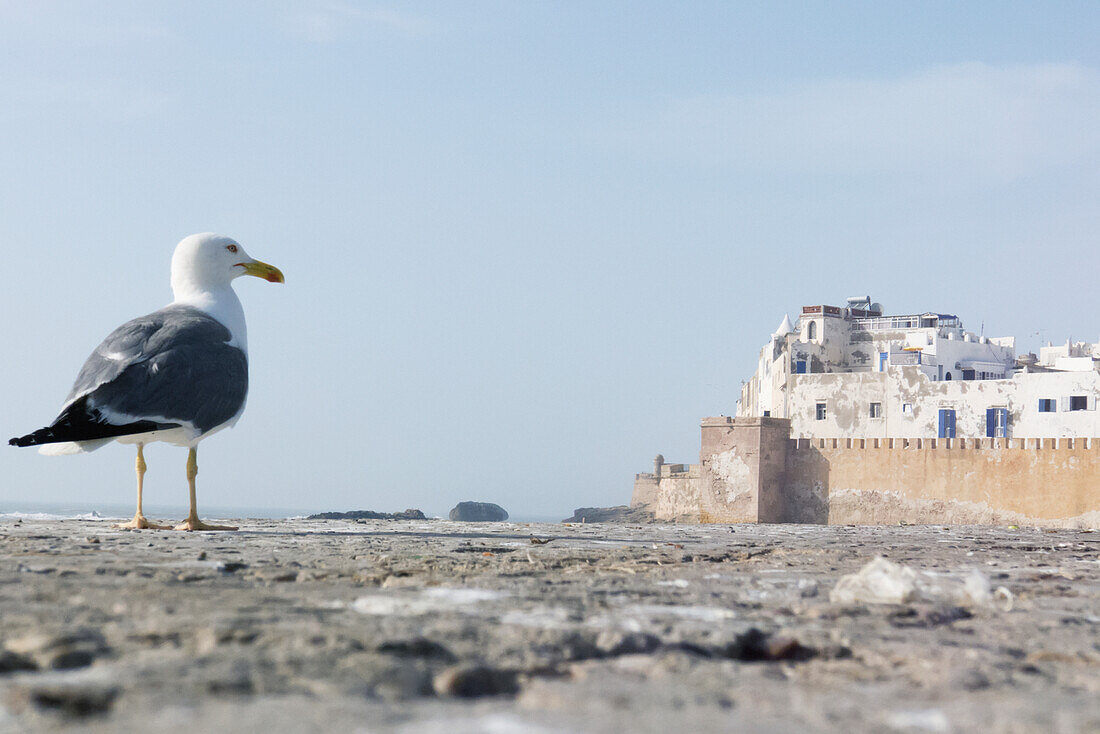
pixel 259 269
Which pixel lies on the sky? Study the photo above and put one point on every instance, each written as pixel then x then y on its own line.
pixel 528 245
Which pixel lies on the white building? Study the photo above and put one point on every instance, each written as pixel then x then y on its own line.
pixel 855 373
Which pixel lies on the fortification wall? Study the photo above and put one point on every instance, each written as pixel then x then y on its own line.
pixel 751 471
pixel 671 495
pixel 1052 482
pixel 741 461
pixel 647 488
pixel 678 498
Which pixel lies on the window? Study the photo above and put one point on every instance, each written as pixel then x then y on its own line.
pixel 907 409
pixel 821 411
pixel 968 374
pixel 883 357
pixel 1048 405
pixel 800 367
pixel 767 413
pixel 996 422
pixel 811 330
pixel 1078 402
pixel 947 423
pixel 876 410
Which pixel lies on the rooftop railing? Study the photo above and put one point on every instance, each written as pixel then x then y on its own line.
pixel 901 323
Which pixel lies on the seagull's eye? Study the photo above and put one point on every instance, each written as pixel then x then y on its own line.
pixel 231 248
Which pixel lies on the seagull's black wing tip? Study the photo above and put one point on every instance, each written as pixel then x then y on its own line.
pixel 42 435
pixel 77 423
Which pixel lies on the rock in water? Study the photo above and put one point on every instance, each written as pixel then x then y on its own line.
pixel 478 512
pixel 619 513
pixel 410 514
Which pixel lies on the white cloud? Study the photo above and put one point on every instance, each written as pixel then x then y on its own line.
pixel 999 122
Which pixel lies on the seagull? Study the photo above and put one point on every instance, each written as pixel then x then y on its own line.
pixel 177 375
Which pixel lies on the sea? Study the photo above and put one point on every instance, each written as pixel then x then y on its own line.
pixel 121 511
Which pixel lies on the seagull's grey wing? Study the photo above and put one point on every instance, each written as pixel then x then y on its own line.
pixel 122 348
pixel 174 365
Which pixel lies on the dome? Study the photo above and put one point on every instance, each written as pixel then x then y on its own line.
pixel 785 327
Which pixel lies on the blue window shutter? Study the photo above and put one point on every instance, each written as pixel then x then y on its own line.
pixel 947 423
pixel 990 422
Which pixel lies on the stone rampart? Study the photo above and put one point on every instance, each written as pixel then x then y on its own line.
pixel 671 495
pixel 647 488
pixel 741 461
pixel 1053 482
pixel 751 471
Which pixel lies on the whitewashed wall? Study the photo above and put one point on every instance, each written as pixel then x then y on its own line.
pixel 847 397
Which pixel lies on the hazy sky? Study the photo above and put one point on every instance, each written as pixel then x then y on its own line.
pixel 527 245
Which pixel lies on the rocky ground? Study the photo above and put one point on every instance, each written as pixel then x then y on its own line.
pixel 434 626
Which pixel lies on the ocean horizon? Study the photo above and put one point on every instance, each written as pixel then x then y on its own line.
pixel 19 510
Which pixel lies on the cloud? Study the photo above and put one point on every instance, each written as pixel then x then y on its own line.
pixel 999 122
pixel 328 22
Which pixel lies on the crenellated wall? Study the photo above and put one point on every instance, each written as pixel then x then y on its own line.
pixel 670 494
pixel 992 481
pixel 751 471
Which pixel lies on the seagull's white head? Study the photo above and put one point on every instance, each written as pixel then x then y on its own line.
pixel 203 263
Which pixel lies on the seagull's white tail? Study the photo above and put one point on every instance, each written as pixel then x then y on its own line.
pixel 65 448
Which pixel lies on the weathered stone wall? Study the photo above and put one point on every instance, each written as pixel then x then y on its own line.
pixel 751 471
pixel 678 498
pixel 671 495
pixel 848 395
pixel 646 490
pixel 995 481
pixel 741 467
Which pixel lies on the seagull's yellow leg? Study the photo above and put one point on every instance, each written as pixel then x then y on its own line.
pixel 193 522
pixel 139 522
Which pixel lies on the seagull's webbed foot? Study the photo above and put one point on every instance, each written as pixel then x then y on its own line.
pixel 193 523
pixel 140 523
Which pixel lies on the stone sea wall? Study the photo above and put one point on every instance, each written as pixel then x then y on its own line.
pixel 990 481
pixel 750 471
